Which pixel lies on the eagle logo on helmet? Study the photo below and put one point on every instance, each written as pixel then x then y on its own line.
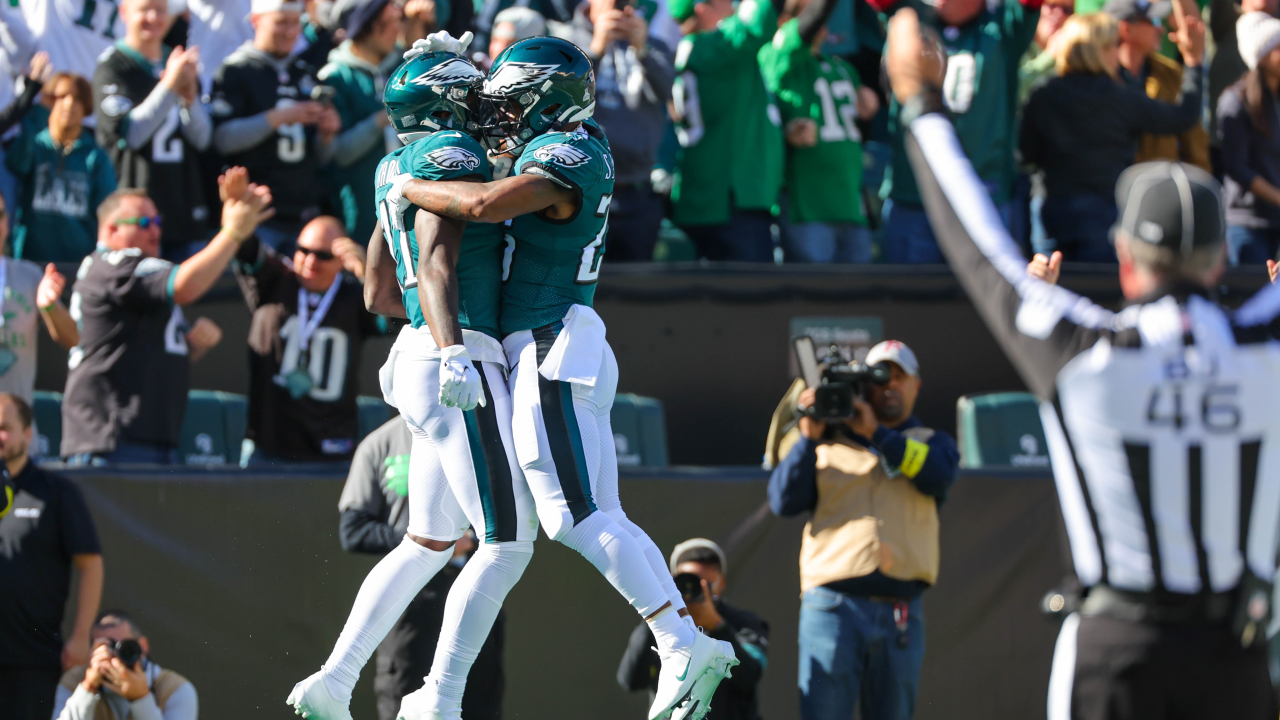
pixel 562 154
pixel 453 158
pixel 515 75
pixel 449 72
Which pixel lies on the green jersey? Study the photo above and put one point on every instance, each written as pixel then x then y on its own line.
pixel 730 131
pixel 981 91
pixel 554 264
pixel 824 182
pixel 446 155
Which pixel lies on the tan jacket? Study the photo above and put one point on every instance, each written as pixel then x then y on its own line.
pixel 1164 80
pixel 166 683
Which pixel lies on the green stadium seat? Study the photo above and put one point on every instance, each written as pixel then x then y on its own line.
pixel 373 412
pixel 204 430
pixel 48 419
pixel 639 431
pixel 1000 430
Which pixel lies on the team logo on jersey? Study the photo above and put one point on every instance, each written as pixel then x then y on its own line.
pixel 562 154
pixel 116 105
pixel 515 75
pixel 453 158
pixel 450 72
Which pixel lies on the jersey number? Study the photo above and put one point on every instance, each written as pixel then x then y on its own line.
pixel 1219 408
pixel 86 17
pixel 175 333
pixel 292 145
pixel 684 95
pixel 958 85
pixel 166 147
pixel 400 250
pixel 593 253
pixel 837 125
pixel 328 350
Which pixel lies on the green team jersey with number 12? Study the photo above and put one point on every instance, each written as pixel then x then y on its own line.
pixel 445 155
pixel 553 264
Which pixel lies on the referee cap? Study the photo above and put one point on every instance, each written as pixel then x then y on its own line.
pixel 683 550
pixel 1170 205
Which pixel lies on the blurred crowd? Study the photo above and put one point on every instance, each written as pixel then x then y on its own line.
pixel 750 131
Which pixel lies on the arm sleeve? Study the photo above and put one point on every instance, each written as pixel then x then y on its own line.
pixel 751 647
pixel 236 136
pixel 183 704
pixel 1039 326
pixel 19 157
pixel 235 131
pixel 196 126
pixel 793 486
pixel 356 142
pixel 1162 118
pixel 79 536
pixel 149 115
pixel 20 106
pixel 932 466
pixel 1222 20
pixel 145 708
pixel 78 705
pixel 1235 129
pixel 639 667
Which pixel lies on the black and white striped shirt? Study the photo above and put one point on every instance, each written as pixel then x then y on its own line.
pixel 1162 420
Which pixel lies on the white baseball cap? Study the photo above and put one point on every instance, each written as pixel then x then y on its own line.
pixel 894 351
pixel 695 544
pixel 258 7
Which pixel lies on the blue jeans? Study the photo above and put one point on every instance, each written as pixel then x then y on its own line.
pixel 1251 246
pixel 747 237
pixel 128 453
pixel 908 236
pixel 851 650
pixel 1080 226
pixel 822 242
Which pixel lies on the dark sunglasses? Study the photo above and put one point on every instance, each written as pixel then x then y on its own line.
pixel 142 221
pixel 320 254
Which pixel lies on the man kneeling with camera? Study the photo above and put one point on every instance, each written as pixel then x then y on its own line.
pixel 873 479
pixel 120 682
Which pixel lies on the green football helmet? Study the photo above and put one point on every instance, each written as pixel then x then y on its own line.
pixel 434 91
pixel 536 86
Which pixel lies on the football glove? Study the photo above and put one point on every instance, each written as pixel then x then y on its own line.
pixel 459 380
pixel 440 41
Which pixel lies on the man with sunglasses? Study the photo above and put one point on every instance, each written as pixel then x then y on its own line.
pixel 128 378
pixel 305 342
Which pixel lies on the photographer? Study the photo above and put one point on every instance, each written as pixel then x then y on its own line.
pixel 123 680
pixel 700 571
pixel 873 482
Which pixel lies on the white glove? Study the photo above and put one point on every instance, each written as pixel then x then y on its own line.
pixel 459 380
pixel 440 41
pixel 396 200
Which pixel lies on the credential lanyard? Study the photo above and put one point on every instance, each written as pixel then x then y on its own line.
pixel 4 277
pixel 307 322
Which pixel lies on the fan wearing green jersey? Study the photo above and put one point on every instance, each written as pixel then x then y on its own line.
pixel 555 207
pixel 821 98
pixel 444 276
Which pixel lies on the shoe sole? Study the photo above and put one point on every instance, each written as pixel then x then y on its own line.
pixel 698 708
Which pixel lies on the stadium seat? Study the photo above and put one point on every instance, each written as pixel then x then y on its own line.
pixel 1000 430
pixel 213 428
pixel 373 413
pixel 48 420
pixel 639 431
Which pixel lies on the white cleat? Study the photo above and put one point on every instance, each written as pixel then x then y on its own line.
pixel 699 703
pixel 681 671
pixel 422 704
pixel 311 699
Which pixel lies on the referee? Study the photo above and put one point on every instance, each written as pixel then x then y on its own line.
pixel 1162 420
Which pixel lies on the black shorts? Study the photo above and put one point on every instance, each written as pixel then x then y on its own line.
pixel 1123 670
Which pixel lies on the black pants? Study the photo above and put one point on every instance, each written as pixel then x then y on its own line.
pixel 26 693
pixel 745 238
pixel 1127 670
pixel 635 216
pixel 405 655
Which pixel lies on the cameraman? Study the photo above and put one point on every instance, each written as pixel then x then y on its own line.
pixel 700 570
pixel 873 483
pixel 122 679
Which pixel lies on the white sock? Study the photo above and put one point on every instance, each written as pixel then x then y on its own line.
pixel 385 593
pixel 671 631
pixel 469 612
pixel 616 555
pixel 653 555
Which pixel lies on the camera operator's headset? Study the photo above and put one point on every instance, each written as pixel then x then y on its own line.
pixel 9 490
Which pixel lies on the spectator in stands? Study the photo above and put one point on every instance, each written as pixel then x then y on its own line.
pixel 515 24
pixel 305 341
pixel 218 28
pixel 38 73
pixel 152 124
pixel 1158 76
pixel 318 31
pixel 633 86
pixel 1082 128
pixel 1227 66
pixel 357 70
pixel 821 98
pixel 375 515
pixel 1037 62
pixel 873 483
pixel 45 531
pixel 128 378
pixel 1250 125
pixel 268 123
pixel 984 43
pixel 421 18
pixel 17 51
pixel 109 688
pixel 64 176
pixel 730 166
pixel 736 697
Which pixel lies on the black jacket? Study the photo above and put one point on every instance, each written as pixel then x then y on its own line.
pixel 735 699
pixel 1248 153
pixel 1083 129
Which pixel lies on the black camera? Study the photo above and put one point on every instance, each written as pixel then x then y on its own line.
pixel 837 382
pixel 690 587
pixel 129 651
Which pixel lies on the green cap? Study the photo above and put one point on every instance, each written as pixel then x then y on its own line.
pixel 681 10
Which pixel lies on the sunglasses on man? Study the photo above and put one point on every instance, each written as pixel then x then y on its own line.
pixel 320 254
pixel 142 221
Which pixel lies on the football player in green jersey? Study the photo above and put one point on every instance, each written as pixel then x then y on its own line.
pixel 444 276
pixel 564 375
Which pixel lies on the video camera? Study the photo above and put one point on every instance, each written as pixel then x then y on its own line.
pixel 836 382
